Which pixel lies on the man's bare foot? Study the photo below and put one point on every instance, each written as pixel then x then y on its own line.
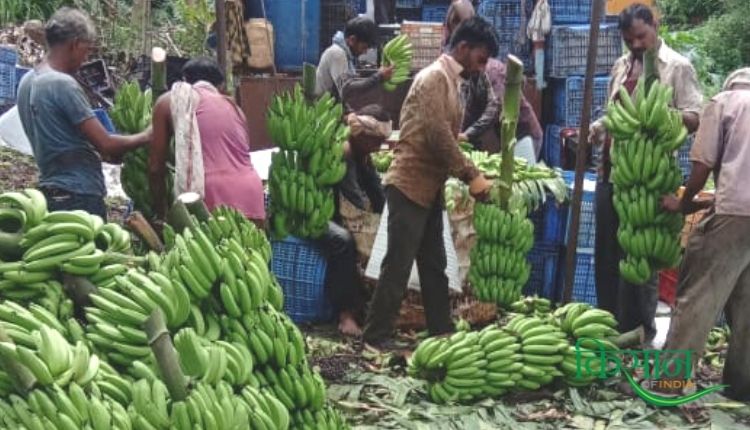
pixel 348 325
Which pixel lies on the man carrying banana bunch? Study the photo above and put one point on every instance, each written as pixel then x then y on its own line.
pixel 338 63
pixel 715 272
pixel 425 156
pixel 635 305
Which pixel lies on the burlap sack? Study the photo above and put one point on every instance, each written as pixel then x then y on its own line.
pixel 362 225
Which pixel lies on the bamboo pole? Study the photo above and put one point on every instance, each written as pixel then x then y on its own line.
pixel 508 126
pixel 597 7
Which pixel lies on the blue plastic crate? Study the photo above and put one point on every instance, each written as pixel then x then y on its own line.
pixel 555 221
pixel 509 20
pixel 567 47
pixel 567 99
pixel 301 271
pixel 8 54
pixel 408 4
pixel 434 12
pixel 550 222
pixel 587 225
pixel 584 281
pixel 544 259
pixel 571 11
pixel 683 158
pixel 552 149
pixel 7 84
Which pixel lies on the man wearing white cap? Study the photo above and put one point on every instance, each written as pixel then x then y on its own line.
pixel 715 271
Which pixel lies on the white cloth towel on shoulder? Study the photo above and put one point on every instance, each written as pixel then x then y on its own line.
pixel 189 173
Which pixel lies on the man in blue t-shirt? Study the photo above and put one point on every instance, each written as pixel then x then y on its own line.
pixel 67 139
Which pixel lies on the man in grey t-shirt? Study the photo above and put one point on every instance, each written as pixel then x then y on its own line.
pixel 68 141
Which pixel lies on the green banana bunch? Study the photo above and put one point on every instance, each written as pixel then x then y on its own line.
pixel 647 133
pixel 326 418
pixel 535 305
pixel 131 114
pixel 52 360
pixel 72 407
pixel 397 52
pixel 271 337
pixel 227 223
pixel 530 183
pixel 297 388
pixel 311 139
pixel 47 294
pixel 266 411
pixel 212 362
pixel 499 268
pixel 382 160
pixel 19 212
pixel 117 315
pixel 542 348
pixel 581 320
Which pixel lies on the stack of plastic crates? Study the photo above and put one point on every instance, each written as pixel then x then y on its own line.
pixel 567 48
pixel 301 271
pixel 434 10
pixel 567 99
pixel 8 58
pixel 426 40
pixel 571 11
pixel 333 17
pixel 584 284
pixel 550 223
pixel 510 21
pixel 408 10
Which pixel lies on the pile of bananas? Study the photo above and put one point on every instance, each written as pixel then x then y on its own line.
pixel 244 359
pixel 534 305
pixel 526 353
pixel 131 114
pixel 592 330
pixel 499 269
pixel 647 133
pixel 311 139
pixel 397 53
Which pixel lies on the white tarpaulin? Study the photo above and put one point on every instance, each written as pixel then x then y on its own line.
pixel 381 242
pixel 12 136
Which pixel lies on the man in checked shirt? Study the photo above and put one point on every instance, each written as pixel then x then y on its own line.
pixel 425 156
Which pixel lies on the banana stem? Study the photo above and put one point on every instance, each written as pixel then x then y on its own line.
pixel 166 356
pixel 631 338
pixel 138 224
pixel 158 72
pixel 78 288
pixel 308 81
pixel 195 205
pixel 22 378
pixel 650 72
pixel 508 125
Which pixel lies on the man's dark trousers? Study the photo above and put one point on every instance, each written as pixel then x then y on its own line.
pixel 414 232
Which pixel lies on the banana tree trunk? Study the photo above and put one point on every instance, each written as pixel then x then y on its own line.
pixel 508 125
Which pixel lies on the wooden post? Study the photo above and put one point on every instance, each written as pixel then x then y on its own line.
pixel 221 34
pixel 597 8
pixel 508 126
